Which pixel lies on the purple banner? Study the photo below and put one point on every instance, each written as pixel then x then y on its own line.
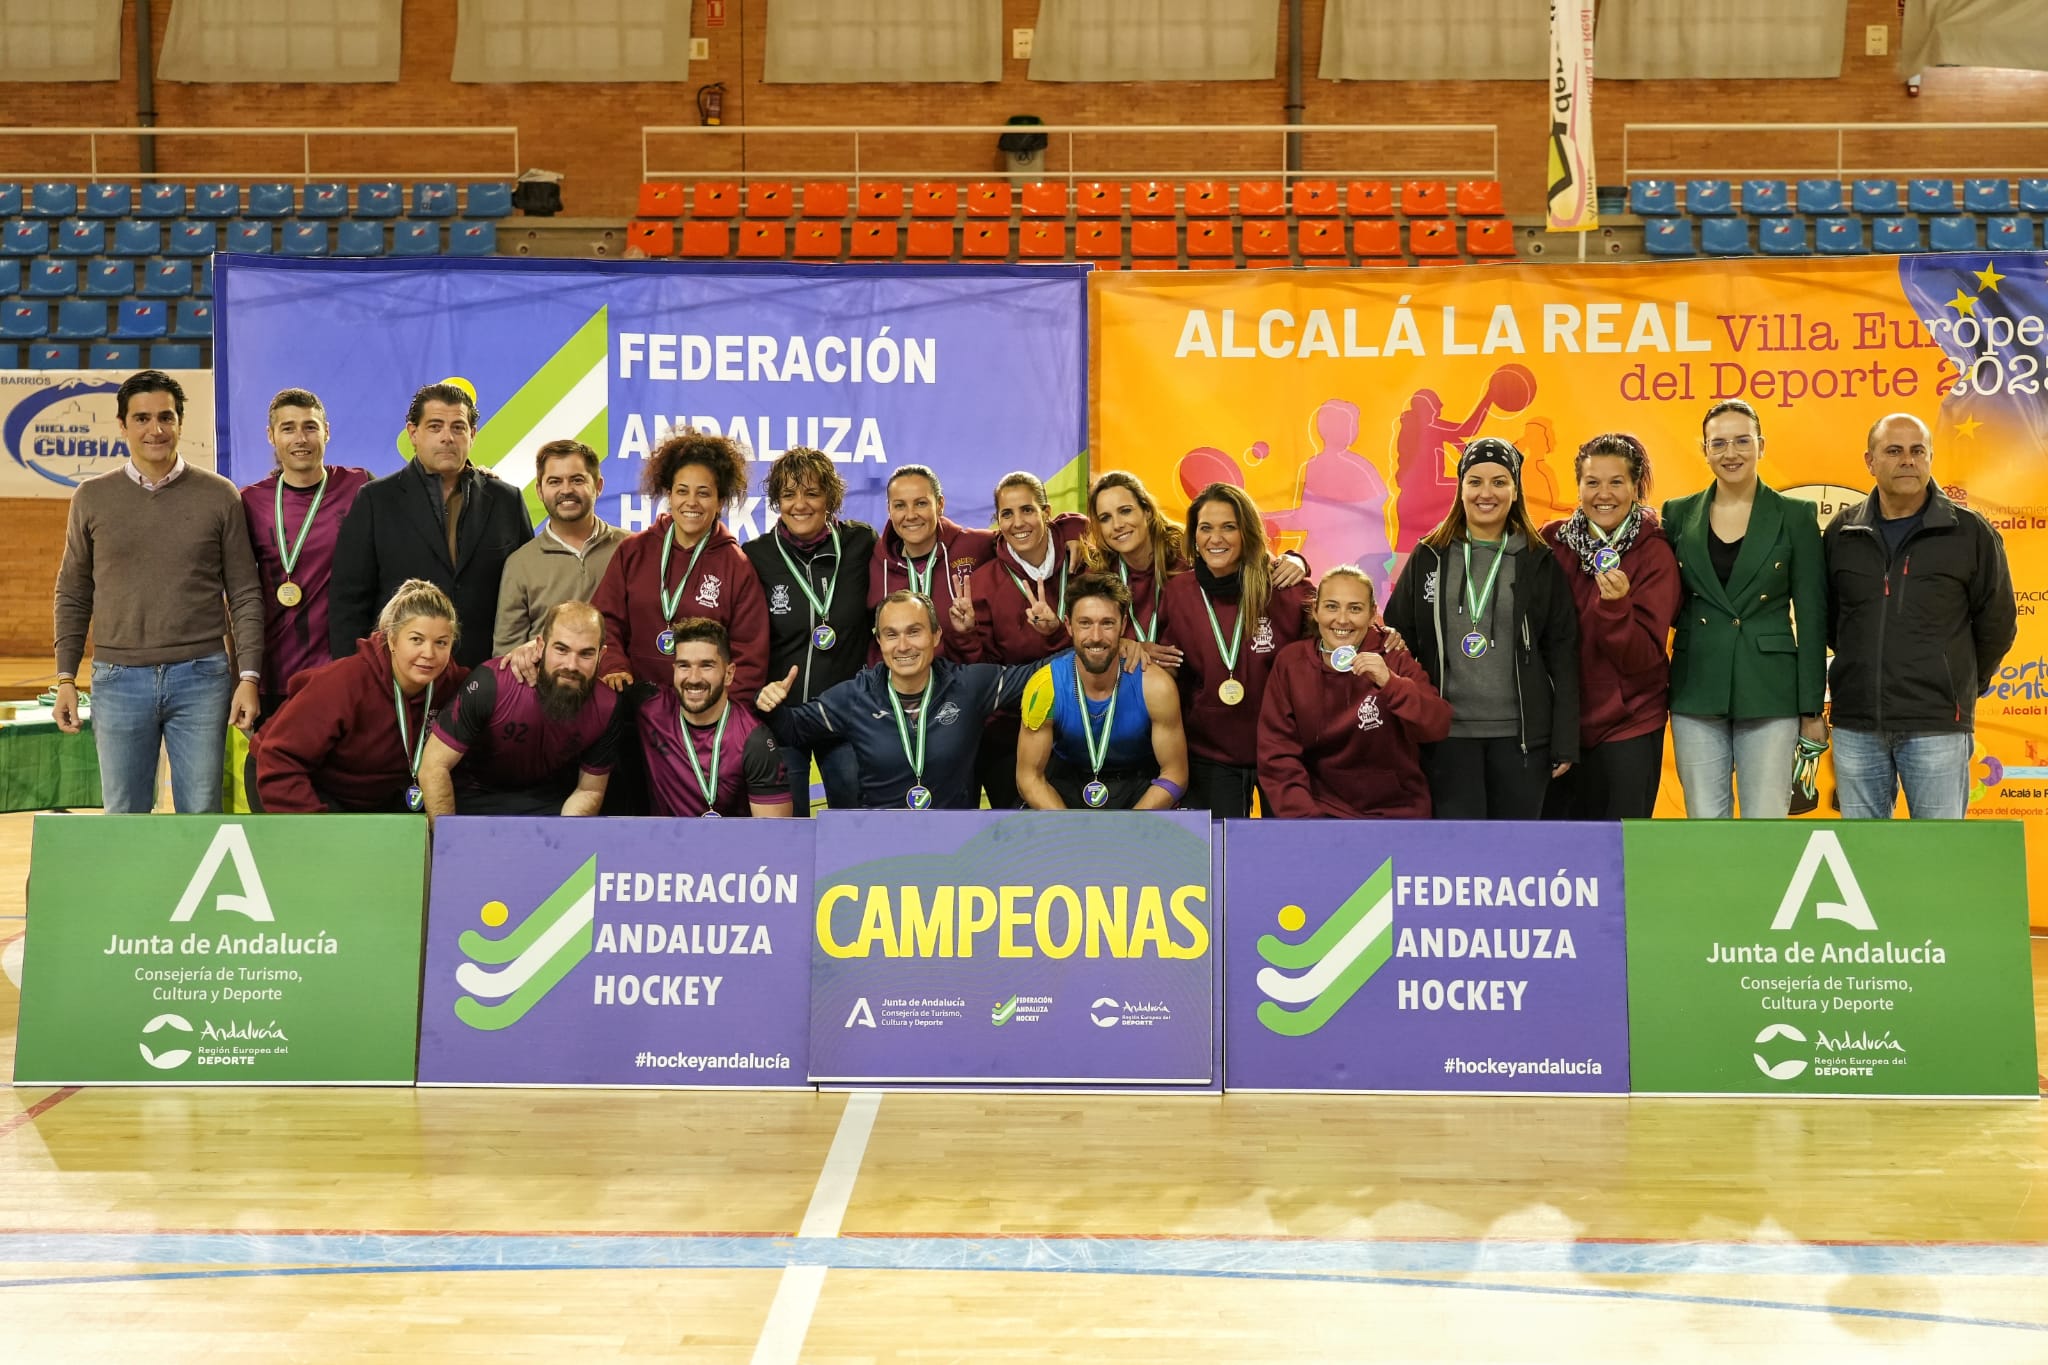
pixel 617 952
pixel 1425 955
pixel 1033 947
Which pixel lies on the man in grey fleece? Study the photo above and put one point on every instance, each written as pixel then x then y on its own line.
pixel 157 559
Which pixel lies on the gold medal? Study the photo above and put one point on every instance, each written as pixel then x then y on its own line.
pixel 1230 692
pixel 289 594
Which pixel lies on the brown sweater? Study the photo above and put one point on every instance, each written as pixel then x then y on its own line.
pixel 149 570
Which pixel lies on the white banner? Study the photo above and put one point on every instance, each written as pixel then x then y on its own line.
pixel 1573 207
pixel 58 429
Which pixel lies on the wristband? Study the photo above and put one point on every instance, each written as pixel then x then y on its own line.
pixel 1171 788
pixel 63 678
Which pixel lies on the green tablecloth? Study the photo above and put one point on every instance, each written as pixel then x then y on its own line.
pixel 41 768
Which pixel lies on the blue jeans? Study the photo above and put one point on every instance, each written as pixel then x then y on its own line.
pixel 137 708
pixel 1718 757
pixel 1934 768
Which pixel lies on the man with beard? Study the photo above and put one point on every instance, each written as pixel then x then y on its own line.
pixel 1096 737
pixel 706 756
pixel 539 748
pixel 565 562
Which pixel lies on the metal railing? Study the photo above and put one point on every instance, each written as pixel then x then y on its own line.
pixel 99 145
pixel 1885 163
pixel 862 146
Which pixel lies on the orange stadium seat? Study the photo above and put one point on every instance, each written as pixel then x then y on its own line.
pixel 1423 198
pixel 1207 199
pixel 874 241
pixel 1041 241
pixel 1261 199
pixel 981 240
pixel 825 199
pixel 1490 237
pixel 769 199
pixel 1266 239
pixel 652 239
pixel 1045 199
pixel 1099 199
pixel 759 241
pixel 715 199
pixel 1316 199
pixel 1369 199
pixel 988 199
pixel 664 200
pixel 1432 237
pixel 1211 240
pixel 1479 199
pixel 1152 199
pixel 1376 239
pixel 1095 238
pixel 931 239
pixel 707 240
pixel 879 199
pixel 817 241
pixel 1320 239
pixel 934 199
pixel 1155 263
pixel 1155 238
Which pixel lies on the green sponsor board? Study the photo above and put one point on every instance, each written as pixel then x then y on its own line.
pixel 191 950
pixel 1829 958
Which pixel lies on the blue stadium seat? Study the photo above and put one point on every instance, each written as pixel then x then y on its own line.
pixel 1931 196
pixel 1838 236
pixel 1668 237
pixel 328 199
pixel 1876 196
pixel 378 199
pixel 415 239
pixel 2007 233
pixel 194 321
pixel 24 321
pixel 142 320
pixel 81 320
pixel 107 201
pixel 1764 198
pixel 157 200
pixel 359 237
pixel 304 239
pixel 433 199
pixel 52 199
pixel 1820 197
pixel 2034 196
pixel 175 355
pixel 166 280
pixel 219 200
pixel 80 237
pixel 1653 198
pixel 10 200
pixel 1724 236
pixel 488 199
pixel 202 283
pixel 250 238
pixel 1987 196
pixel 269 201
pixel 10 356
pixel 1708 198
pixel 114 355
pixel 51 279
pixel 108 280
pixel 473 239
pixel 10 276
pixel 1952 233
pixel 137 238
pixel 1895 236
pixel 193 239
pixel 53 355
pixel 25 237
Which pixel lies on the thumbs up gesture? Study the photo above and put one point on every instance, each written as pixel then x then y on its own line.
pixel 771 696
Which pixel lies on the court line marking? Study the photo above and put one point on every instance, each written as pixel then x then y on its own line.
pixel 796 1293
pixel 789 1316
pixel 37 1110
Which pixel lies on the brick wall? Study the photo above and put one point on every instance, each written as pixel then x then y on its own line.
pixel 591 133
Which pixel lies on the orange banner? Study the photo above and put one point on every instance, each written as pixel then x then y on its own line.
pixel 1339 399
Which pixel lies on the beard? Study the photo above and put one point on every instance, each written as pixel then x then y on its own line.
pixel 562 695
pixel 1088 661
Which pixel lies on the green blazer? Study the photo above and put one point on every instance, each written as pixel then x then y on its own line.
pixel 1736 651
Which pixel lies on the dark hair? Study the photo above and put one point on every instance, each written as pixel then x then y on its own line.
pixel 562 450
pixel 441 393
pixel 1453 527
pixel 1169 544
pixel 1730 405
pixel 702 630
pixel 148 381
pixel 800 465
pixel 1104 585
pixel 1254 559
pixel 1617 445
pixel 716 453
pixel 902 595
pixel 294 398
pixel 922 471
pixel 1019 478
pixel 581 611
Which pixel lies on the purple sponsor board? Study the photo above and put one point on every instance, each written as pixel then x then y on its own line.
pixel 1016 947
pixel 617 952
pixel 1425 955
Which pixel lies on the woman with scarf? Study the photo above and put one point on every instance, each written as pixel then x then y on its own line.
pixel 1624 580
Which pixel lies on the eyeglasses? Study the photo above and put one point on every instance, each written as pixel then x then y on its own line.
pixel 1741 445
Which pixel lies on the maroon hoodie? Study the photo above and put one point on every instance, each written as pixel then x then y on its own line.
pixel 1145 588
pixel 1624 670
pixel 960 550
pixel 335 739
pixel 1001 633
pixel 1219 733
pixel 722 586
pixel 1341 745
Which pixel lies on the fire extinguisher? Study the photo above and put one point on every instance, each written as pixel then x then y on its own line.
pixel 711 103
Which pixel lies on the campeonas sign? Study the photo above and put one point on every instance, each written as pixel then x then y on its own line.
pixel 262 949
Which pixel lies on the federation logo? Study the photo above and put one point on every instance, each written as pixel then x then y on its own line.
pixel 1787 1069
pixel 1332 963
pixel 1429 586
pixel 230 843
pixel 531 960
pixel 1101 1020
pixel 778 599
pixel 174 1058
pixel 1262 638
pixel 1002 1014
pixel 946 714
pixel 862 1014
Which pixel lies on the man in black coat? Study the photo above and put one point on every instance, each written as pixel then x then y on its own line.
pixel 440 519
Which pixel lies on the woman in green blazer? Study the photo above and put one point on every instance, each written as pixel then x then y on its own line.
pixel 1749 657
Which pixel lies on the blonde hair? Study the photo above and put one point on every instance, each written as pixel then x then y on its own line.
pixel 1348 571
pixel 416 597
pixel 1254 560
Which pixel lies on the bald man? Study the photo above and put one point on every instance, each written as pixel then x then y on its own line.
pixel 1920 615
pixel 506 747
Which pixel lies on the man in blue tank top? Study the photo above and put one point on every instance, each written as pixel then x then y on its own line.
pixel 1096 737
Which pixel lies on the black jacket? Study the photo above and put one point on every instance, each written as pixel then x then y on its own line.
pixel 1546 640
pixel 1918 635
pixel 790 617
pixel 394 532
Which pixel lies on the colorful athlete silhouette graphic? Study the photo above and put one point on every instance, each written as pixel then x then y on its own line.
pixel 1426 449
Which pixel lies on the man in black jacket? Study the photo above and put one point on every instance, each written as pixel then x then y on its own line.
pixel 439 519
pixel 1920 615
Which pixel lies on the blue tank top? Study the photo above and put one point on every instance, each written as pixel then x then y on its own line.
pixel 1130 743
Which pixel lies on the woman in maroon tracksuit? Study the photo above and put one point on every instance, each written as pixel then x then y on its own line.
pixel 350 734
pixel 923 549
pixel 1624 580
pixel 1228 621
pixel 1130 538
pixel 1344 719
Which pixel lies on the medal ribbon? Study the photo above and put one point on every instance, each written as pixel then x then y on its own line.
pixel 671 600
pixel 290 554
pixel 413 752
pixel 710 788
pixel 1096 752
pixel 1478 604
pixel 1147 634
pixel 924 711
pixel 1027 592
pixel 821 609
pixel 1228 653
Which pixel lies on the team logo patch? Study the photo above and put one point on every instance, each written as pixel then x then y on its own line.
pixel 1369 714
pixel 707 591
pixel 778 600
pixel 1262 638
pixel 1429 586
pixel 947 714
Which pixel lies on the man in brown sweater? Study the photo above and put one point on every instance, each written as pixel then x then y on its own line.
pixel 150 552
pixel 567 560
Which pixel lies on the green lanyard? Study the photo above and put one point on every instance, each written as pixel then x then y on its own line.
pixel 924 711
pixel 671 600
pixel 1146 634
pixel 414 752
pixel 1027 592
pixel 821 609
pixel 709 788
pixel 1096 752
pixel 290 554
pixel 1228 652
pixel 1478 604
pixel 931 562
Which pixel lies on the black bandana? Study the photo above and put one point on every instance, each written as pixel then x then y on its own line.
pixel 1585 542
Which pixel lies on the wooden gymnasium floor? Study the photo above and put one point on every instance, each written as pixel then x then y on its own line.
pixel 276 1225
